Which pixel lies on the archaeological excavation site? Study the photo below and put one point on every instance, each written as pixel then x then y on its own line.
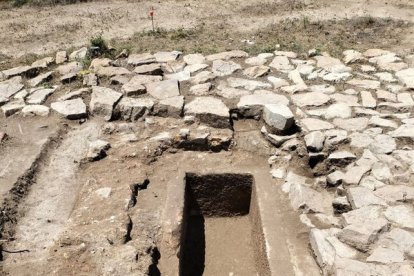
pixel 217 138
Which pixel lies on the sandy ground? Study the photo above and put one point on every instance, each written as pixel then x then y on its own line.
pixel 46 29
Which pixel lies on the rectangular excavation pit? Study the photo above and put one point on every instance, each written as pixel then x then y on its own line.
pixel 221 231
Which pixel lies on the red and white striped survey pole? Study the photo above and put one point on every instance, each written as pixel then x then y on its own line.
pixel 151 14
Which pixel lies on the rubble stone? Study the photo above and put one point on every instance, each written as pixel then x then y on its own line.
pixel 209 110
pixel 314 141
pixel 163 89
pixel 103 101
pixel 35 110
pixel 361 236
pixel 224 68
pixel 70 109
pixel 252 105
pixel 132 109
pixel 278 116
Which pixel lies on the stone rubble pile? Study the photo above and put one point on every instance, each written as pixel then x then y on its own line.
pixel 352 118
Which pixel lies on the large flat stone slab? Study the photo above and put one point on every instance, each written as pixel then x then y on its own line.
pixel 310 99
pixel 209 110
pixel 10 87
pixel 406 77
pixel 132 109
pixel 70 109
pixel 163 89
pixel 39 96
pixel 252 105
pixel 140 59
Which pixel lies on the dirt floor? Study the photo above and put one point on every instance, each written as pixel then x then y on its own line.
pixel 226 247
pixel 207 26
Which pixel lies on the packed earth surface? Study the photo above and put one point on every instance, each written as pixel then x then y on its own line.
pixel 245 159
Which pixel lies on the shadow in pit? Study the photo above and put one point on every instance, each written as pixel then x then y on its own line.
pixel 153 269
pixel 194 247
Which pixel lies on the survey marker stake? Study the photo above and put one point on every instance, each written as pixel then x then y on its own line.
pixel 151 13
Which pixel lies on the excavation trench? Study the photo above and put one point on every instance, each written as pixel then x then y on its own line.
pixel 219 216
pixel 49 204
pixel 227 217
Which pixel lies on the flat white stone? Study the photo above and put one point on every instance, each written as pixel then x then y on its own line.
pixel 350 100
pixel 78 54
pixel 179 76
pixel 365 84
pixel 380 122
pixel 331 64
pixel 404 131
pixel 288 54
pixel 368 100
pixel 224 68
pixel 227 55
pixel 194 59
pixel 167 56
pixel 247 84
pixel 202 77
pixel 232 93
pixel 401 215
pixel 395 193
pixel 360 140
pixel 352 56
pixel 277 82
pixel 256 71
pixel 200 89
pixel 353 124
pixel 193 68
pixel 360 215
pixel 354 174
pixel 40 79
pixel 310 99
pixel 39 96
pixel 311 124
pixel 163 89
pixel 383 144
pixel 140 59
pixel 72 67
pixel 323 250
pixel 361 196
pixel 281 63
pixel 361 236
pixel 70 109
pixel 255 61
pixel 341 155
pixel 10 87
pixel 338 110
pixel 12 107
pixel 209 110
pixel 35 110
pixel 406 76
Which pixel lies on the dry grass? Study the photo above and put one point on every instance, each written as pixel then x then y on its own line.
pixel 298 35
pixel 269 7
pixel 19 3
